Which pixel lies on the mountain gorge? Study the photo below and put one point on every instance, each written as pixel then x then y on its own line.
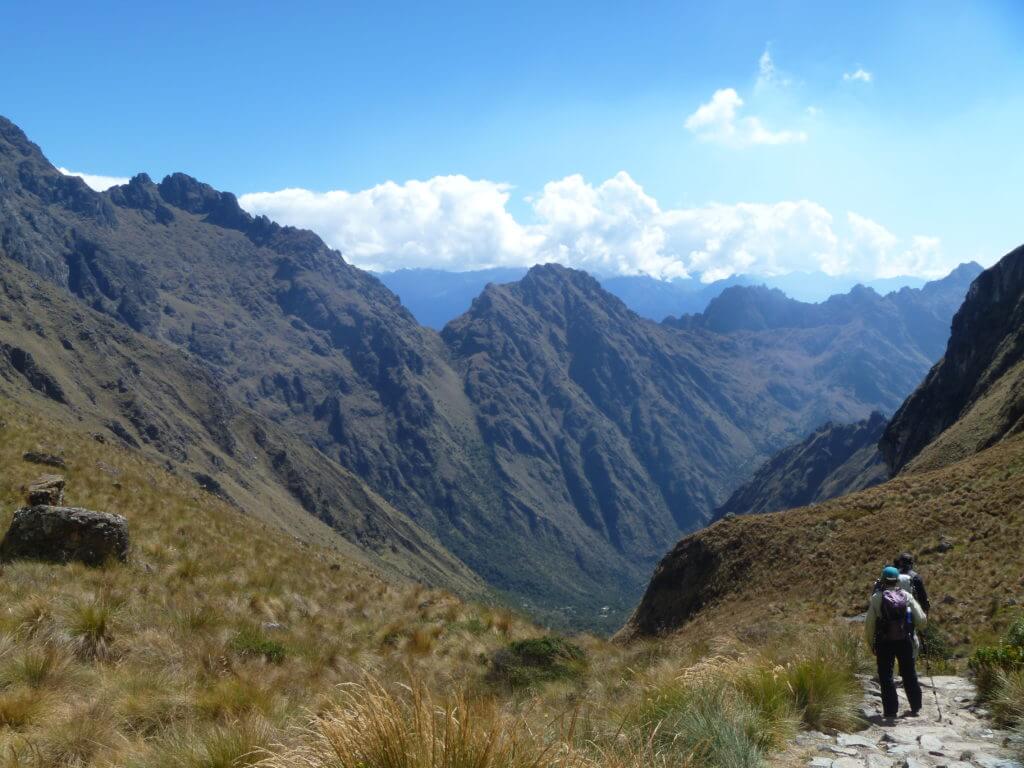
pixel 834 460
pixel 547 445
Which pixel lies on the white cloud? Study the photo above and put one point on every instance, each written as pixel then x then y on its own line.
pixel 615 227
pixel 99 183
pixel 444 222
pixel 860 75
pixel 874 250
pixel 765 68
pixel 718 121
pixel 769 75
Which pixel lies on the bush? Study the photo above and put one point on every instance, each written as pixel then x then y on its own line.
pixel 999 674
pixel 702 722
pixel 936 645
pixel 373 728
pixel 1008 697
pixel 769 692
pixel 825 694
pixel 1015 634
pixel 89 624
pixel 987 664
pixel 526 663
pixel 251 642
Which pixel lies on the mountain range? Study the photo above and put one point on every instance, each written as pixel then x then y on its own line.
pixel 436 296
pixel 545 447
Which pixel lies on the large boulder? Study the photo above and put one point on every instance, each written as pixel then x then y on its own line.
pixel 63 534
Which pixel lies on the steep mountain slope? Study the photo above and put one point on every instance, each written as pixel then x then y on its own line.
pixel 834 460
pixel 974 396
pixel 958 501
pixel 748 571
pixel 59 357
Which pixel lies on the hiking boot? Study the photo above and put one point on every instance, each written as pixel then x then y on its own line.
pixel 889 720
pixel 912 713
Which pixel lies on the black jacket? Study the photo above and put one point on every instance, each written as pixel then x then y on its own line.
pixel 919 592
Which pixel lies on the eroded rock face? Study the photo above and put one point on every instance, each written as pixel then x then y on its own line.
pixel 65 534
pixel 978 381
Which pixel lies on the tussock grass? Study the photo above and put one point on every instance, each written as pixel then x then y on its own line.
pixel 374 728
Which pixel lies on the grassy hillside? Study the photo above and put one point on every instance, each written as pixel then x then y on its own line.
pixel 965 522
pixel 219 629
pixel 222 637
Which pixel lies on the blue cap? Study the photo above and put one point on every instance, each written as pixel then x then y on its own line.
pixel 889 573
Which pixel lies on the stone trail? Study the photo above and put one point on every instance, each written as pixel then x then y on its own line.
pixel 963 739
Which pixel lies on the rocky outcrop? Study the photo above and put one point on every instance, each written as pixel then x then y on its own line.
pixel 21 361
pixel 41 457
pixel 65 534
pixel 974 396
pixel 835 459
pixel 46 490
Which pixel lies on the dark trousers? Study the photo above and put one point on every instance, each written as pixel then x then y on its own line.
pixel 887 653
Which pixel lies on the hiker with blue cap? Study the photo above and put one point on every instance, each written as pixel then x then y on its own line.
pixel 893 617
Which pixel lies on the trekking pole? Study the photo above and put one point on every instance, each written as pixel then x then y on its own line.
pixel 931 678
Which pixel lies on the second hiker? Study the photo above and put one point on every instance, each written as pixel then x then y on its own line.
pixel 892 618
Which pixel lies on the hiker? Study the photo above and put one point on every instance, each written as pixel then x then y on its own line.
pixel 892 618
pixel 910 580
pixel 905 565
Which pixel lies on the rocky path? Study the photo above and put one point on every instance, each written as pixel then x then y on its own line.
pixel 963 738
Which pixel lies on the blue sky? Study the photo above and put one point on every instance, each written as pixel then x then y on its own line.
pixel 557 130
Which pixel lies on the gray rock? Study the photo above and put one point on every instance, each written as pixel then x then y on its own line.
pixel 931 743
pixel 63 534
pixel 856 740
pixel 848 762
pixel 49 459
pixel 46 489
pixel 820 762
pixel 844 751
pixel 879 761
pixel 988 761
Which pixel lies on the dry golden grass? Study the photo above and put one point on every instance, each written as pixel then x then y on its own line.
pixel 219 626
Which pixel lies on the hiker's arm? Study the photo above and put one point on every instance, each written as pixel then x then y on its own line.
pixel 922 594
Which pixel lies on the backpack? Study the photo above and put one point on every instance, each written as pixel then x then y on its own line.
pixel 895 621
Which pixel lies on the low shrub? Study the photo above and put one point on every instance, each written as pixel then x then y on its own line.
pixel 526 663
pixel 999 674
pixel 825 693
pixel 701 722
pixel 989 662
pixel 1015 634
pixel 89 624
pixel 252 642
